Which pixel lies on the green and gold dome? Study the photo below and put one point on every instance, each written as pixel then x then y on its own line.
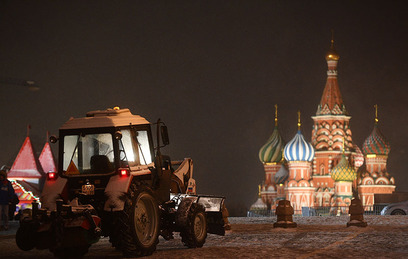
pixel 343 171
pixel 271 152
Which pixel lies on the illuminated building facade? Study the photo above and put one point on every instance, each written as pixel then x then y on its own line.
pixel 336 168
pixel 299 187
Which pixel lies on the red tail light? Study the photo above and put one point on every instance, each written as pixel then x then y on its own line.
pixel 124 172
pixel 52 176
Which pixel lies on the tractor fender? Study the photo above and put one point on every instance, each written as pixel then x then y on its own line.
pixel 117 188
pixel 52 191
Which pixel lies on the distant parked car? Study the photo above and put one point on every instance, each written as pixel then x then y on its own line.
pixel 399 208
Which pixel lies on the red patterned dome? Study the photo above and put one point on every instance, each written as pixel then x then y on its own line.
pixel 376 143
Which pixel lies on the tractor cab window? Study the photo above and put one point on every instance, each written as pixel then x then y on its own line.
pixel 134 148
pixel 88 154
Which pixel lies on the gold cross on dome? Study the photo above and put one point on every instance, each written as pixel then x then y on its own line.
pixel 299 124
pixel 376 113
pixel 276 115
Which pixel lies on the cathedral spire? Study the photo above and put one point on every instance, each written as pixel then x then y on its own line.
pixel 276 115
pixel 332 101
pixel 299 123
pixel 376 114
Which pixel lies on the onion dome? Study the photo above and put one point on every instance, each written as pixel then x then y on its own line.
pixel 298 149
pixel 376 143
pixel 343 171
pixel 332 53
pixel 282 175
pixel 258 205
pixel 358 157
pixel 271 152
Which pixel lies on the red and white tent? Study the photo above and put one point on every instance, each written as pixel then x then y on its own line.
pixel 47 159
pixel 27 173
pixel 26 166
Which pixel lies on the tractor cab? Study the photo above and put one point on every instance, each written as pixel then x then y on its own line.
pixel 101 145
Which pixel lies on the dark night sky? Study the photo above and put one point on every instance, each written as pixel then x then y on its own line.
pixel 212 70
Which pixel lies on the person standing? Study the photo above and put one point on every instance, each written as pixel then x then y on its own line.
pixel 6 193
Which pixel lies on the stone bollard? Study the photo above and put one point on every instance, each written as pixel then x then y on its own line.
pixel 284 213
pixel 356 211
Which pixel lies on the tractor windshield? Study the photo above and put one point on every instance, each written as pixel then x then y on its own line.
pixel 94 153
pixel 134 148
pixel 88 154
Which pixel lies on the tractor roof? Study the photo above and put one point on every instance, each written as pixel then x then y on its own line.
pixel 108 118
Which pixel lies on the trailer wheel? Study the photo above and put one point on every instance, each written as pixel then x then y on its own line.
pixel 139 223
pixel 192 222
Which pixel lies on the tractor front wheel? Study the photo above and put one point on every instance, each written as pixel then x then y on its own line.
pixel 192 222
pixel 140 223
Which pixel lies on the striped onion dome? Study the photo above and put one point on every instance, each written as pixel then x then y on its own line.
pixel 343 171
pixel 298 149
pixel 376 143
pixel 281 175
pixel 271 152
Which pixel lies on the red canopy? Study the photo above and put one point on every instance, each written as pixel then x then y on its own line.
pixel 47 159
pixel 26 165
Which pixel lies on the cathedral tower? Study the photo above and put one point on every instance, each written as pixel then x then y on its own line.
pixel 330 128
pixel 299 186
pixel 373 177
pixel 343 175
pixel 271 156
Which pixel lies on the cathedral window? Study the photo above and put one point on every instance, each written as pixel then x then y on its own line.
pixel 322 171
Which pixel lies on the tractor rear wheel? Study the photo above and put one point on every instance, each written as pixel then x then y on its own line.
pixel 139 223
pixel 192 222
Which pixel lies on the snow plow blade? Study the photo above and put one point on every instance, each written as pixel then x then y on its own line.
pixel 214 206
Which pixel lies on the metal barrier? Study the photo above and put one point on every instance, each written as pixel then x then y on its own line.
pixel 261 213
pixel 319 211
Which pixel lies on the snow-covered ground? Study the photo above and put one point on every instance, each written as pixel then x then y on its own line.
pixel 315 237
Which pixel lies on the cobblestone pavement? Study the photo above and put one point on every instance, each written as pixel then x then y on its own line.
pixel 258 239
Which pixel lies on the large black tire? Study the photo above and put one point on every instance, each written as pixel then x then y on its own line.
pixel 139 224
pixel 192 222
pixel 26 235
pixel 398 212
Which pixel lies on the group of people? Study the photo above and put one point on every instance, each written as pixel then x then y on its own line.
pixel 8 200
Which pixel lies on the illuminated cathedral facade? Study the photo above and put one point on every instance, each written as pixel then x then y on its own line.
pixel 330 170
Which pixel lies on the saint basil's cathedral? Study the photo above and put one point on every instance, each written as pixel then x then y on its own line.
pixel 330 170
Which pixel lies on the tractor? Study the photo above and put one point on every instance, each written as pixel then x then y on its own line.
pixel 112 182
